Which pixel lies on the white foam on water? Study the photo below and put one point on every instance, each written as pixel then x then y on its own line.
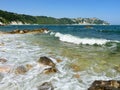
pixel 76 40
pixel 18 51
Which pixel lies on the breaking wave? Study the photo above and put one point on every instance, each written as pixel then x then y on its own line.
pixel 77 40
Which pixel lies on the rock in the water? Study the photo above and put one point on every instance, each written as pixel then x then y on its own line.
pixel 46 86
pixel 2 60
pixel 23 69
pixel 50 70
pixel 1 76
pixel 2 44
pixel 20 70
pixel 21 32
pixel 58 60
pixel 75 67
pixel 46 61
pixel 28 66
pixel 105 85
pixel 4 69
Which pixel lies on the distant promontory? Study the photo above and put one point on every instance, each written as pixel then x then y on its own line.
pixel 10 18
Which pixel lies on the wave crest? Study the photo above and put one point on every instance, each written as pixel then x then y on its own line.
pixel 76 40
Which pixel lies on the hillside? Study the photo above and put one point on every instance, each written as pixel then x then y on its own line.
pixel 14 18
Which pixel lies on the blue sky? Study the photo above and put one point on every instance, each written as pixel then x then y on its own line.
pixel 108 10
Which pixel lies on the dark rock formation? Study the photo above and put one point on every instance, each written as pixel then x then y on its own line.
pixel 46 86
pixel 46 61
pixel 105 85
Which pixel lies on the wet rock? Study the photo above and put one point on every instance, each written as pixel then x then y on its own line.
pixel 105 85
pixel 1 76
pixel 75 67
pixel 15 31
pixel 23 69
pixel 50 70
pixel 29 66
pixel 20 70
pixel 43 61
pixel 117 68
pixel 58 60
pixel 21 32
pixel 46 86
pixel 26 31
pixel 4 69
pixel 76 75
pixel 2 44
pixel 2 60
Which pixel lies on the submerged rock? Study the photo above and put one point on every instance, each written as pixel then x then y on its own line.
pixel 2 60
pixel 105 85
pixel 4 69
pixel 23 69
pixel 58 60
pixel 76 75
pixel 50 70
pixel 2 44
pixel 1 76
pixel 46 86
pixel 28 66
pixel 75 67
pixel 20 70
pixel 46 61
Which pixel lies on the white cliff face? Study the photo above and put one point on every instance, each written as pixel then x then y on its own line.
pixel 18 23
pixel 1 23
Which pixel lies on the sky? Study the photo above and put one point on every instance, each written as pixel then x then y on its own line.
pixel 108 10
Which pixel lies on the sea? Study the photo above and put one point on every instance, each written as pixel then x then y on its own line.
pixel 87 53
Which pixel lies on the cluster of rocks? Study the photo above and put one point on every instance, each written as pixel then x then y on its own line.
pixel 45 61
pixel 17 31
pixel 105 85
pixel 22 69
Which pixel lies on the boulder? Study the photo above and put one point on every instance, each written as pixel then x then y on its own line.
pixel 45 61
pixel 46 86
pixel 105 85
pixel 2 60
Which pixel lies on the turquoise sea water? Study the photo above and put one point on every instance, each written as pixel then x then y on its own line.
pixel 93 50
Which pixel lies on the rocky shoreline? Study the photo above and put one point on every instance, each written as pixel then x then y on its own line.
pixel 50 68
pixel 26 31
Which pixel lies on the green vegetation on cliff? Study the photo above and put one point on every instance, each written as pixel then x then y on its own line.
pixel 9 17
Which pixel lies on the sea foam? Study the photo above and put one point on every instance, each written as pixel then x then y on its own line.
pixel 77 40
